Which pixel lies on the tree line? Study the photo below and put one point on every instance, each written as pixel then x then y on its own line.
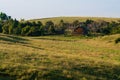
pixel 12 26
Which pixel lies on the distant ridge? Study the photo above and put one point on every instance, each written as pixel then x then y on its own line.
pixel 56 20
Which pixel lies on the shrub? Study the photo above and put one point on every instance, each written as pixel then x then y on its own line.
pixel 117 40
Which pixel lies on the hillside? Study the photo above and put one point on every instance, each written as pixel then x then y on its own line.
pixel 56 20
pixel 59 58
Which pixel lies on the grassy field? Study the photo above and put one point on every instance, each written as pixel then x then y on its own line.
pixel 59 58
pixel 56 20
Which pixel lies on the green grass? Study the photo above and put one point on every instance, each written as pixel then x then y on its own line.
pixel 56 20
pixel 59 58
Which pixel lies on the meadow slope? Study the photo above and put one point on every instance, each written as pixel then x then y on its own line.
pixel 56 20
pixel 59 58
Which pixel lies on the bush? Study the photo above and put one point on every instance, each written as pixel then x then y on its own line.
pixel 68 32
pixel 117 40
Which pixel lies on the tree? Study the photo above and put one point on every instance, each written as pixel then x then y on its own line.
pixel 13 24
pixel 115 30
pixel 49 23
pixel 5 29
pixel 25 31
pixel 35 29
pixel 61 23
pixel 60 28
pixel 89 21
pixel 39 23
pixel 3 16
pixel 106 30
pixel 17 30
pixel 49 27
pixel 0 27
pixel 75 23
pixel 51 30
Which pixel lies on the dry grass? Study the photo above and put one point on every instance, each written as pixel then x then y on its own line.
pixel 56 20
pixel 59 58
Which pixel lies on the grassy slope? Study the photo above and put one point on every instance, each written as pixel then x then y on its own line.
pixel 56 20
pixel 59 58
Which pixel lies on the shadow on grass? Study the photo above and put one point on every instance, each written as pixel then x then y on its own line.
pixel 5 76
pixel 56 75
pixel 88 72
pixel 52 39
pixel 13 39
pixel 16 39
pixel 76 72
pixel 100 72
pixel 33 47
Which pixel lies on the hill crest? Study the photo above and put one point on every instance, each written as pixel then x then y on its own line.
pixel 56 20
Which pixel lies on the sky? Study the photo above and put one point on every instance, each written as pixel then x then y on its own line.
pixel 35 9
